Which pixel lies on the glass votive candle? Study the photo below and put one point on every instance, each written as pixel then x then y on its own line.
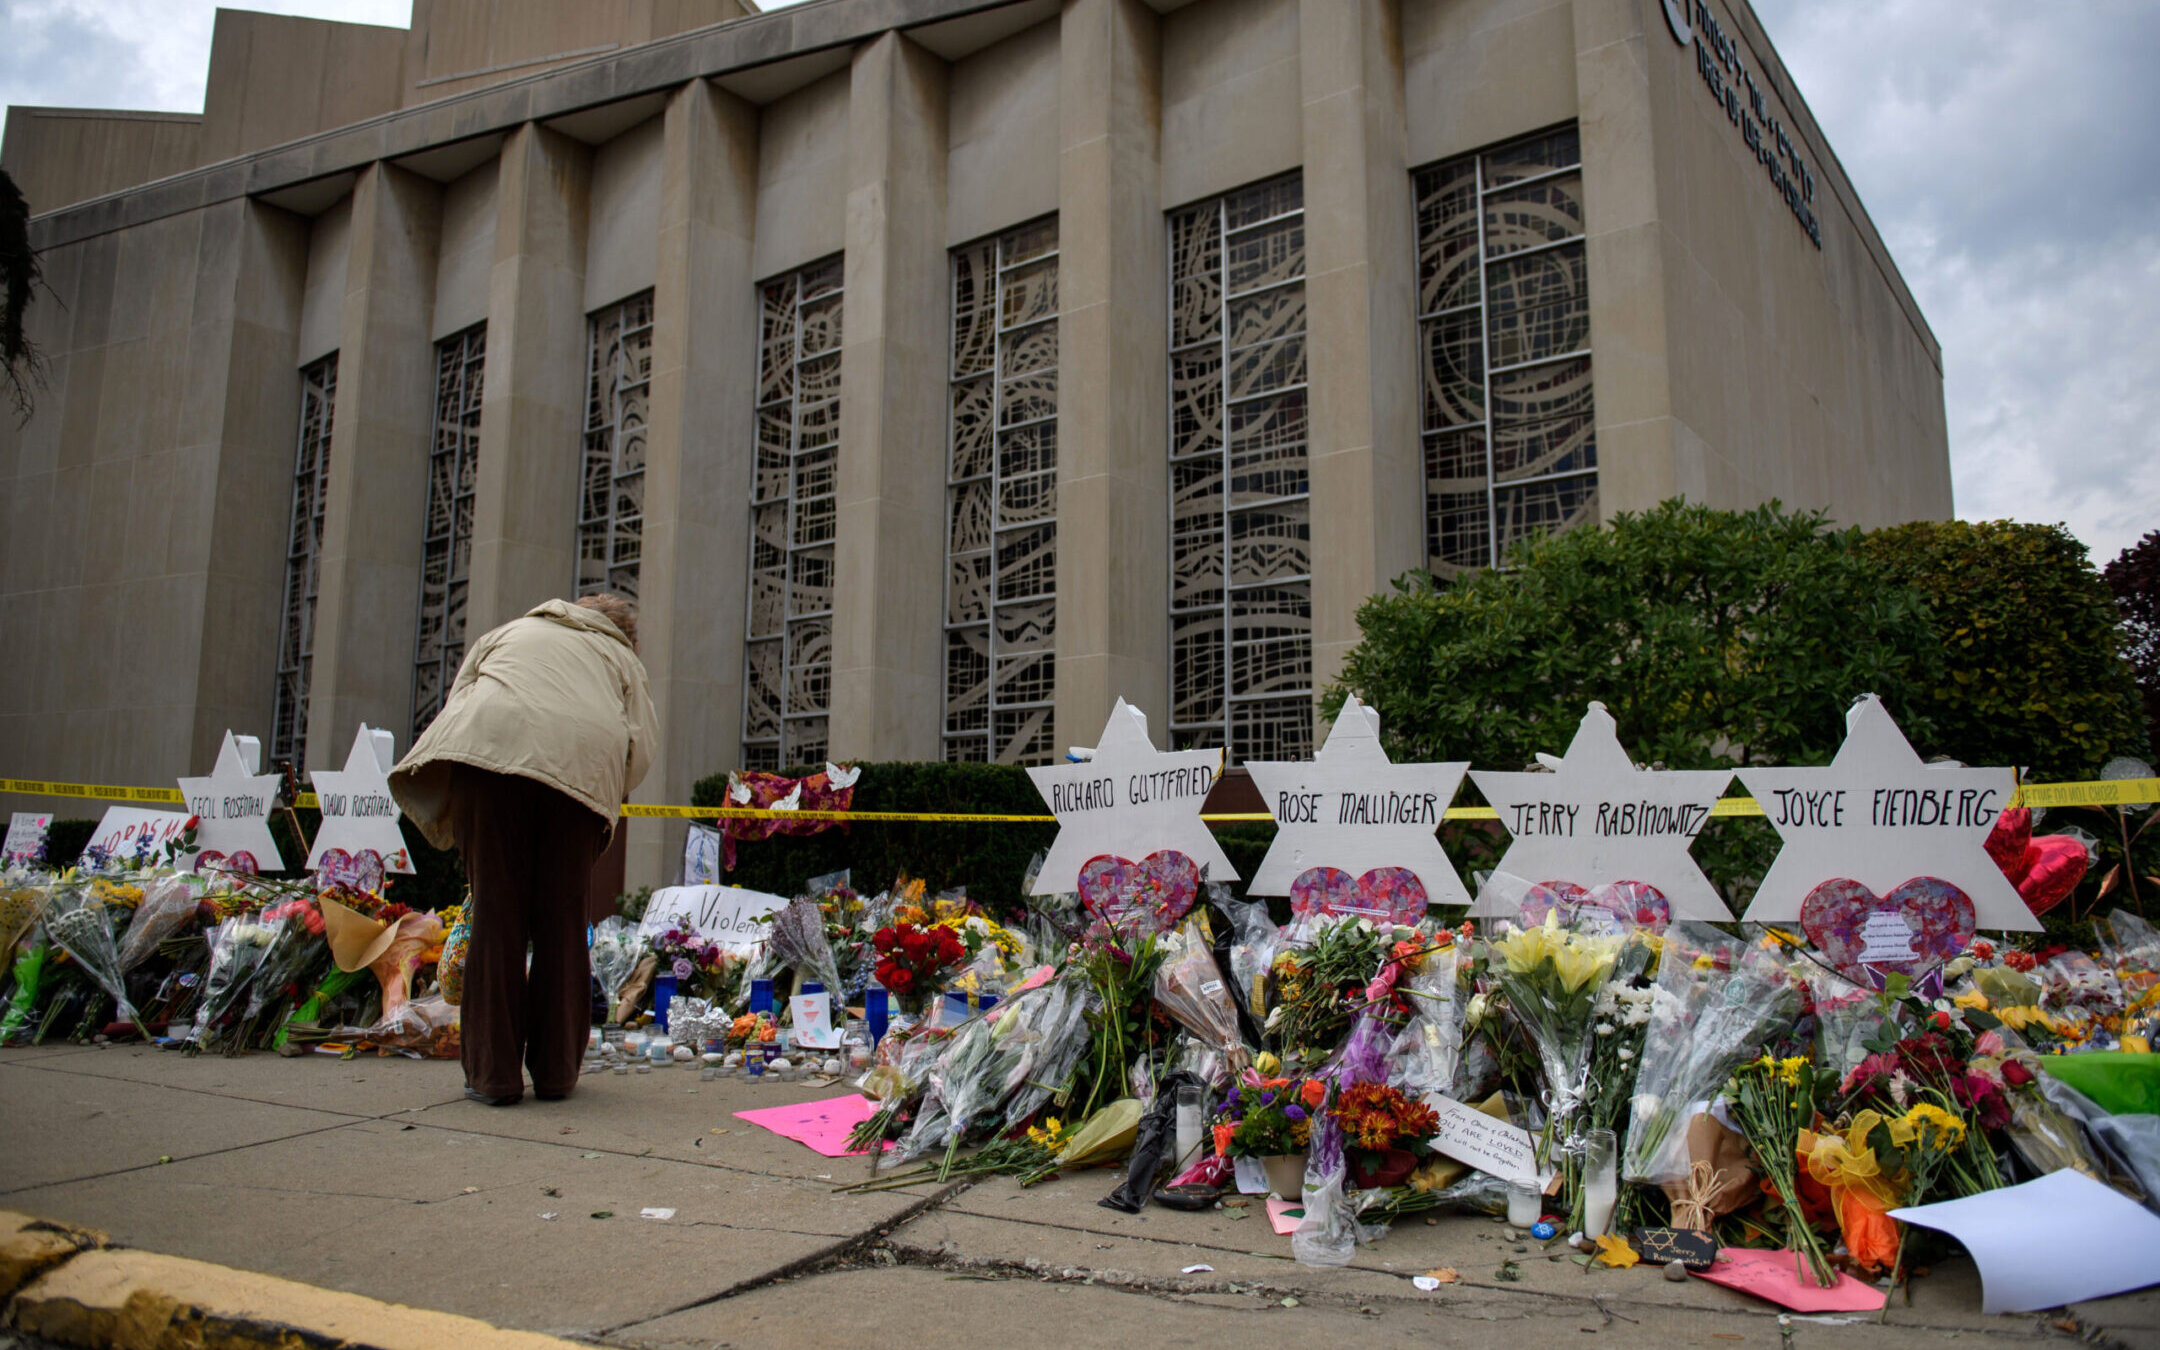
pixel 1525 1203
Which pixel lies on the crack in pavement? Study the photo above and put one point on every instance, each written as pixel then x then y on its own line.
pixel 177 1158
pixel 230 1096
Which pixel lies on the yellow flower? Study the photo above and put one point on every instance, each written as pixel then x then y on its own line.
pixel 1788 1071
pixel 1266 1064
pixel 1050 1135
pixel 1578 963
pixel 1971 999
pixel 1934 1127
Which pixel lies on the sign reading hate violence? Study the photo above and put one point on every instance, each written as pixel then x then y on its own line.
pixel 727 915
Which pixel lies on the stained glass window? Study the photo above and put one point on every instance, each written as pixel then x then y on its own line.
pixel 794 517
pixel 303 564
pixel 611 503
pixel 446 548
pixel 1504 350
pixel 1240 519
pixel 1001 517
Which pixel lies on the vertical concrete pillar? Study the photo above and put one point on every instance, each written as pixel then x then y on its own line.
pixel 1368 498
pixel 532 410
pixel 888 686
pixel 1113 626
pixel 698 452
pixel 240 353
pixel 369 597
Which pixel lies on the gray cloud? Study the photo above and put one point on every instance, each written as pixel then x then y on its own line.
pixel 2010 155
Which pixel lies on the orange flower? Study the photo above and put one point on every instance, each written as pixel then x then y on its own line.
pixel 1314 1092
pixel 1222 1139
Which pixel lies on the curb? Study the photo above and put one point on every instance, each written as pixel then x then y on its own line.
pixel 72 1287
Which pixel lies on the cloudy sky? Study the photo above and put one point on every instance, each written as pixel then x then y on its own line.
pixel 2008 151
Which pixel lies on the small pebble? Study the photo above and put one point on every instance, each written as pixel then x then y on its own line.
pixel 713 1057
pixel 1542 1231
pixel 1521 1248
pixel 1432 1223
pixel 1676 1271
pixel 781 1064
pixel 683 1054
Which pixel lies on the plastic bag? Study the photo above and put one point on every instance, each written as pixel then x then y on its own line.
pixel 1156 1136
pixel 30 966
pixel 456 946
pixel 428 1026
pixel 1190 988
pixel 167 907
pixel 616 952
pixel 82 928
pixel 1253 942
pixel 1427 1052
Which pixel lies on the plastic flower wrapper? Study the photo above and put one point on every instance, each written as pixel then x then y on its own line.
pixel 979 1071
pixel 82 927
pixel 952 1078
pixel 1716 1002
pixel 1054 1023
pixel 428 1028
pixel 1551 976
pixel 298 945
pixel 798 940
pixel 615 953
pixel 29 967
pixel 1331 1230
pixel 1189 986
pixel 237 949
pixel 1426 1055
pixel 22 901
pixel 1253 940
pixel 168 905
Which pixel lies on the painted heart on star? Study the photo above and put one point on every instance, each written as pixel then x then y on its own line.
pixel 1393 894
pixel 211 860
pixel 1638 904
pixel 1140 897
pixel 361 871
pixel 1918 926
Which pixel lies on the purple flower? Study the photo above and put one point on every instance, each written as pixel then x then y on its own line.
pixel 1267 1099
pixel 1295 1112
pixel 683 969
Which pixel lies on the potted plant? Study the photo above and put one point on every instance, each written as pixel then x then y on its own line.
pixel 1385 1134
pixel 1271 1119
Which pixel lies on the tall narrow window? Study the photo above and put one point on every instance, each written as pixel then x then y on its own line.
pixel 794 516
pixel 303 563
pixel 446 550
pixel 611 509
pixel 1504 327
pixel 1240 532
pixel 1001 524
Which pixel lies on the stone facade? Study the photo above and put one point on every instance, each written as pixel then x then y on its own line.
pixel 507 178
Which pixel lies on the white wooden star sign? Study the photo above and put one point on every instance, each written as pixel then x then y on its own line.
pixel 1597 819
pixel 1130 801
pixel 1879 816
pixel 358 812
pixel 1354 810
pixel 232 809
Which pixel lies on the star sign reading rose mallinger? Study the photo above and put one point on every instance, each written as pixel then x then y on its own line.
pixel 1598 819
pixel 232 809
pixel 1353 809
pixel 1879 816
pixel 358 812
pixel 1131 800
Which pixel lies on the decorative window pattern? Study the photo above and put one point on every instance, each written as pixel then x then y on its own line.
pixel 611 509
pixel 303 564
pixel 1240 528
pixel 794 517
pixel 1001 521
pixel 1504 343
pixel 446 550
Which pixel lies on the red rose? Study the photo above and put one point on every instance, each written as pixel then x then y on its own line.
pixel 2016 1073
pixel 1983 951
pixel 884 940
pixel 897 980
pixel 1941 1020
pixel 2019 960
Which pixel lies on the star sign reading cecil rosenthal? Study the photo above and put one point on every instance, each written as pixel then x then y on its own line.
pixel 1597 819
pixel 1879 816
pixel 1353 809
pixel 1131 799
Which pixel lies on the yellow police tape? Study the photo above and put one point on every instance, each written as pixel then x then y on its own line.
pixel 2115 792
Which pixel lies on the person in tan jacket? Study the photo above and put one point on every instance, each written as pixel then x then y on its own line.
pixel 544 734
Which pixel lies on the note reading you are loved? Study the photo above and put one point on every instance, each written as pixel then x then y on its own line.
pixel 1484 1142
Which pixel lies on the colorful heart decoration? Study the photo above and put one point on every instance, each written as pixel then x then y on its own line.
pixel 1393 894
pixel 1638 904
pixel 1149 896
pixel 212 860
pixel 361 871
pixel 1841 916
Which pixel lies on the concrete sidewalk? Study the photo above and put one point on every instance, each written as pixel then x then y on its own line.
pixel 375 1177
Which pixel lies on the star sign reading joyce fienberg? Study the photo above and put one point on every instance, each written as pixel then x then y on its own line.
pixel 358 811
pixel 1353 809
pixel 1879 816
pixel 232 806
pixel 1129 801
pixel 1599 819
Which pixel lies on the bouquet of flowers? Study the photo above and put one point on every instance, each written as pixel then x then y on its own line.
pixel 167 906
pixel 1268 1117
pixel 799 940
pixel 1189 987
pixel 913 959
pixel 1715 1003
pixel 22 900
pixel 237 949
pixel 1384 1131
pixel 78 921
pixel 298 946
pixel 758 1028
pixel 1773 1101
pixel 1051 1026
pixel 1552 977
pixel 615 953
pixel 701 969
pixel 1320 988
pixel 1428 1050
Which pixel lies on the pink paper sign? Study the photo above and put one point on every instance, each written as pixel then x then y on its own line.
pixel 1286 1215
pixel 822 1127
pixel 1775 1276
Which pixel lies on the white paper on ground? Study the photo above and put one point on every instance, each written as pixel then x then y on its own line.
pixel 2049 1242
pixel 1251 1176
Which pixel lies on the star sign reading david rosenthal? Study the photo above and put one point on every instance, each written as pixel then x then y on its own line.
pixel 1598 819
pixel 358 811
pixel 1879 816
pixel 232 807
pixel 1131 800
pixel 1354 809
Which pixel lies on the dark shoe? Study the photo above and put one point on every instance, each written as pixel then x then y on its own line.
pixel 473 1094
pixel 550 1096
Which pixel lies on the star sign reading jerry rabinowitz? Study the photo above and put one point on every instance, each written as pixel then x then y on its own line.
pixel 232 806
pixel 358 811
pixel 1598 819
pixel 1353 809
pixel 1879 816
pixel 1131 800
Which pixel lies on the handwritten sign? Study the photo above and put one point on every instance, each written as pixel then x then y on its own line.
pixel 1772 1275
pixel 701 856
pixel 1878 816
pixel 1131 800
pixel 358 812
pixel 1597 819
pixel 813 1018
pixel 1355 810
pixel 232 807
pixel 727 915
pixel 132 831
pixel 1489 1144
pixel 25 836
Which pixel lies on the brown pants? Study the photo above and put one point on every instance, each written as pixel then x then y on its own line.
pixel 529 853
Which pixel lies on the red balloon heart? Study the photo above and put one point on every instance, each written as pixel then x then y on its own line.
pixel 1915 928
pixel 2045 869
pixel 1391 893
pixel 1635 903
pixel 1141 897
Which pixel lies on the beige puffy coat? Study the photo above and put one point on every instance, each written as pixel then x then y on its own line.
pixel 556 696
